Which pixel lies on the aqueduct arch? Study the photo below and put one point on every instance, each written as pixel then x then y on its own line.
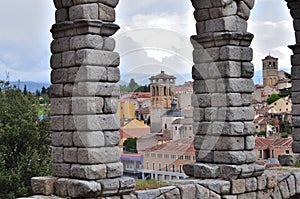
pixel 85 75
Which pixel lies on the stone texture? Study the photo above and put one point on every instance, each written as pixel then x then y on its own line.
pixel 80 188
pixel 98 155
pixel 89 139
pixel 43 185
pixel 238 186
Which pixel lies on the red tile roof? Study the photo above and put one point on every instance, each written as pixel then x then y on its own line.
pixel 135 95
pixel 273 143
pixel 181 146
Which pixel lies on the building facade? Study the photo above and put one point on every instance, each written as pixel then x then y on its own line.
pixel 270 70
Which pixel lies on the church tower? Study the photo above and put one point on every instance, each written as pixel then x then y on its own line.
pixel 162 88
pixel 270 70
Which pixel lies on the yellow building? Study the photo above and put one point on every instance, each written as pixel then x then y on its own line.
pixel 126 110
pixel 133 129
pixel 283 105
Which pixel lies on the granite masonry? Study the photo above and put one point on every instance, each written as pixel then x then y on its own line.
pixel 85 156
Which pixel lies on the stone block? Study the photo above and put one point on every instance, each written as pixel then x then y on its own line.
pixel 113 74
pixel 271 180
pixel 110 187
pixel 114 169
pixel 68 59
pixel 68 90
pixel 70 155
pixel 43 185
pixel 287 159
pixel 86 41
pixel 87 105
pixel 202 4
pixel 61 187
pixel 243 10
pixel 228 99
pixel 89 172
pixel 112 138
pixel 69 123
pixel 202 192
pixel 247 70
pixel 97 57
pixel 88 139
pixel 296 146
pixel 61 170
pixel 224 24
pixel 207 55
pixel 97 89
pixel 60 106
pixel 261 182
pixel 86 189
pixel 148 194
pixel 235 85
pixel 59 76
pixel 67 3
pixel 188 191
pixel 291 185
pixel 92 74
pixel 238 186
pixel 247 170
pixel 98 155
pixel 205 171
pixel 84 11
pixel 276 193
pixel 201 100
pixel 57 123
pixel 110 105
pixel 198 114
pixel 201 15
pixel 249 142
pixel 218 186
pixel 57 154
pixel 127 185
pixel 58 4
pixel 235 114
pixel 189 169
pixel 247 195
pixel 56 61
pixel 205 86
pixel 109 44
pixel 57 90
pixel 250 3
pixel 72 74
pixel 297 182
pixel 284 189
pixel 60 45
pixel 224 11
pixel 246 99
pixel 211 114
pixel 219 143
pixel 295 109
pixel 251 184
pixel 174 193
pixel 230 172
pixel 230 157
pixel 106 13
pixel 95 122
pixel 61 15
pixel 236 53
pixel 62 139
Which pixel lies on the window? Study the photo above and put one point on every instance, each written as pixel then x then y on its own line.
pixel 153 166
pixel 273 154
pixel 190 128
pixel 167 168
pixel 286 103
pixel 257 127
pixel 193 157
pixel 159 166
pixel 175 128
pixel 287 151
pixel 180 157
pixel 259 153
pixel 166 156
pixel 147 155
pixel 185 128
pixel 153 155
pixel 180 169
pixel 173 168
pixel 173 156
pixel 147 166
pixel 275 103
pixel 187 157
pixel 159 155
pixel 280 109
pixel 287 109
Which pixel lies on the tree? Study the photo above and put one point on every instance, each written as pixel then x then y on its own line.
pixel 132 86
pixel 130 145
pixel 25 90
pixel 273 98
pixel 24 144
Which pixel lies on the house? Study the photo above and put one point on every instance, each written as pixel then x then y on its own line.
pixel 126 110
pixel 272 147
pixel 165 161
pixel 132 163
pixel 283 105
pixel 182 128
pixel 133 129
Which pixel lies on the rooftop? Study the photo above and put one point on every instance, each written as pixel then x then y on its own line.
pixel 162 75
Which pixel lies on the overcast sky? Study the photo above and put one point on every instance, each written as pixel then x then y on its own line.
pixel 154 35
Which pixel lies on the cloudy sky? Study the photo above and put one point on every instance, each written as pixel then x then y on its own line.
pixel 154 35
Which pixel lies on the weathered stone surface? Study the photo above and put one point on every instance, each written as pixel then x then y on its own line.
pixel 98 155
pixel 90 172
pixel 43 185
pixel 238 186
pixel 112 138
pixel 80 188
pixel 202 192
pixel 230 172
pixel 60 106
pixel 61 15
pixel 84 11
pixel 247 195
pixel 205 171
pixel 110 187
pixel 230 157
pixel 220 143
pixel 243 10
pixel 110 105
pixel 284 189
pixel 235 85
pixel 57 154
pixel 61 170
pixel 127 185
pixel 261 182
pixel 70 155
pixel 251 184
pixel 87 105
pixel 60 45
pixel 188 191
pixel 57 90
pixel 224 11
pixel 114 169
pixel 236 53
pixel 57 123
pixel 86 41
pixel 97 89
pixel 148 194
pixel 97 57
pixel 61 188
pixel 106 13
pixel 218 186
pixel 291 185
pixel 173 194
pixel 62 139
pixel 89 139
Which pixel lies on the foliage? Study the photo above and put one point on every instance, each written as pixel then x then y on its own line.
pixel 134 87
pixel 273 98
pixel 284 135
pixel 285 92
pixel 149 184
pixel 297 164
pixel 24 143
pixel 260 134
pixel 130 145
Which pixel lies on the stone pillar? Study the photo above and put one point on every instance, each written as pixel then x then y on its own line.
pixel 288 159
pixel 223 114
pixel 84 94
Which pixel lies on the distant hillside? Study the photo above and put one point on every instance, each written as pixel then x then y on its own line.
pixel 31 86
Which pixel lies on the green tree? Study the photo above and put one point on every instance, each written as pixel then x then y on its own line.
pixel 25 90
pixel 132 86
pixel 24 144
pixel 273 98
pixel 130 145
